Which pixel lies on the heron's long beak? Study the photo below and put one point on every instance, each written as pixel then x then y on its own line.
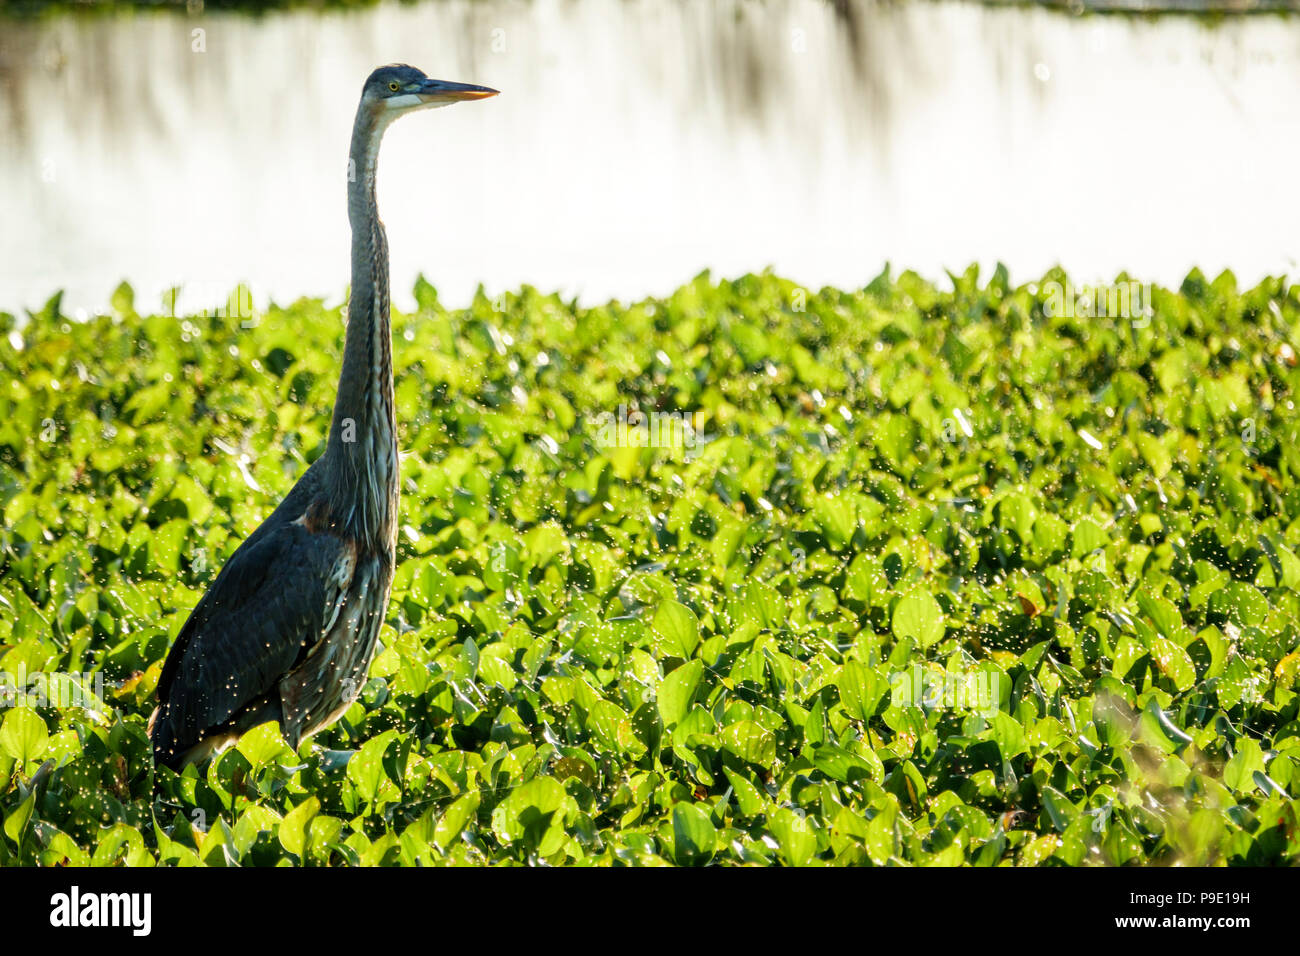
pixel 442 92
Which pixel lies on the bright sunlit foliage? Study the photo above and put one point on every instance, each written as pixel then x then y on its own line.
pixel 748 574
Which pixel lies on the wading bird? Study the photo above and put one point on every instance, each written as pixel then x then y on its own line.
pixel 287 629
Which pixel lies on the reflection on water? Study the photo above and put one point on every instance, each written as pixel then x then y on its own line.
pixel 637 143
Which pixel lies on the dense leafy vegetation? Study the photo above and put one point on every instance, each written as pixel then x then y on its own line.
pixel 747 645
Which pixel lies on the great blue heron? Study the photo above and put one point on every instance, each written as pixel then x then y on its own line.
pixel 287 629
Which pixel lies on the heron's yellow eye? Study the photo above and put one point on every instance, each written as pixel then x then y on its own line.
pixel 393 86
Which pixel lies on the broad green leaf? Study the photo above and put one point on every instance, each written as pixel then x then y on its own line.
pixel 1239 772
pixel 677 628
pixel 293 828
pixel 23 735
pixel 795 836
pixel 861 689
pixel 694 835
pixel 455 818
pixel 750 741
pixel 918 615
pixel 677 691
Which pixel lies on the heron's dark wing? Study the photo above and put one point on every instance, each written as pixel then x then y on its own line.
pixel 267 607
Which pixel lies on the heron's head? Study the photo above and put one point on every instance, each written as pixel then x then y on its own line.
pixel 398 89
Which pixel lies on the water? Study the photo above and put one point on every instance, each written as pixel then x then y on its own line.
pixel 636 143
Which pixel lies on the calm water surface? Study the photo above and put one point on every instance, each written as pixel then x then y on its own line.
pixel 636 143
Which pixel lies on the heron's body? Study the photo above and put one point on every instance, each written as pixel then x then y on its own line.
pixel 287 629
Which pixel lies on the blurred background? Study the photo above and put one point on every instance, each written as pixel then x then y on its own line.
pixel 637 142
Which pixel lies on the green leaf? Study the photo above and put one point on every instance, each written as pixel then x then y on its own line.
pixel 1241 603
pixel 1017 513
pixel 527 815
pixel 694 835
pixel 750 741
pixel 861 689
pixel 795 836
pixel 23 735
pixel 677 692
pixel 1058 808
pixel 366 770
pixel 455 818
pixel 263 745
pixel 918 616
pixel 763 605
pixel 841 764
pixel 1008 734
pixel 1239 772
pixel 1173 662
pixel 677 628
pixel 15 822
pixel 293 828
pixel 751 801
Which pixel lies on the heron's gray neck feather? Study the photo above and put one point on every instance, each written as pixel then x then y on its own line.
pixel 362 472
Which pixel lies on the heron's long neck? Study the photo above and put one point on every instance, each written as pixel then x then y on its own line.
pixel 362 473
